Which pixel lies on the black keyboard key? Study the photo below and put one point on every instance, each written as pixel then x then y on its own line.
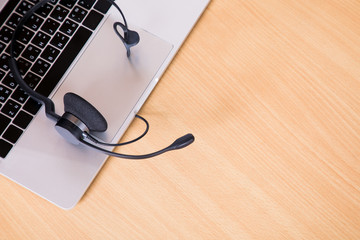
pixel 2 74
pixel 5 148
pixel 45 10
pixel 24 65
pixel 4 62
pixel 93 20
pixel 65 59
pixel 59 13
pixel 59 40
pixel 102 6
pixel 32 80
pixel 31 53
pixel 34 22
pixel 68 3
pixel 78 14
pixel 40 67
pixel 14 20
pixel 9 81
pixel 69 27
pixel 50 26
pixel 32 106
pixel 19 95
pixel 24 7
pixel 19 47
pixel 86 3
pixel 54 2
pixel 12 134
pixel 50 53
pixel 22 120
pixel 41 39
pixel 6 34
pixel 7 10
pixel 4 122
pixel 34 1
pixel 2 46
pixel 4 93
pixel 11 108
pixel 25 35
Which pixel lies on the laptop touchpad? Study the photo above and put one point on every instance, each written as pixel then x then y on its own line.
pixel 111 81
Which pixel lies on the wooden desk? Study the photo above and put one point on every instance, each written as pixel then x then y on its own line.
pixel 271 91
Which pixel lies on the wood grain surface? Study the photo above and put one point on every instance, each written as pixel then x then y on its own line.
pixel 270 89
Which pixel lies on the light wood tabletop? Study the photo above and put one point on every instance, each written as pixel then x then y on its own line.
pixel 270 89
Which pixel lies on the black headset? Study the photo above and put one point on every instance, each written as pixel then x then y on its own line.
pixel 81 118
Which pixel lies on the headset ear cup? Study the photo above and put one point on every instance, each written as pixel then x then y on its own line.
pixel 69 130
pixel 85 112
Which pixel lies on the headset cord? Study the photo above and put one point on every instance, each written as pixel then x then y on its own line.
pixel 93 139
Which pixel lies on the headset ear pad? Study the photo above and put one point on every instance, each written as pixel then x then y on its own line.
pixel 85 112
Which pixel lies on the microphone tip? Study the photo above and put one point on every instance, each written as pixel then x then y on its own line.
pixel 183 141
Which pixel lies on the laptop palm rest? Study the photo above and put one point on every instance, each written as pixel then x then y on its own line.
pixel 117 86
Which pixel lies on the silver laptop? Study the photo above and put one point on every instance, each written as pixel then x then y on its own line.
pixel 33 154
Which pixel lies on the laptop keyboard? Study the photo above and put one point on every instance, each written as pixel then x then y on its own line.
pixel 48 44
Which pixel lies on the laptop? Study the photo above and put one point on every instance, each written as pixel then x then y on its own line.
pixel 32 153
